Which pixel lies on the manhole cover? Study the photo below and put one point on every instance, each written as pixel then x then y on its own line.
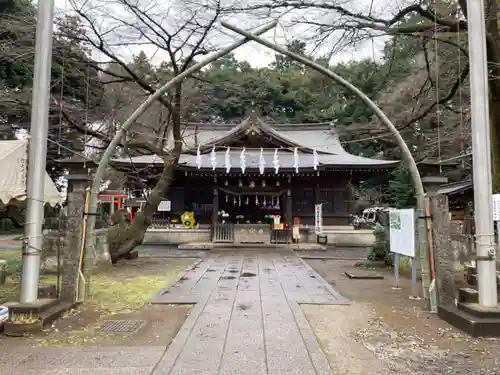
pixel 121 326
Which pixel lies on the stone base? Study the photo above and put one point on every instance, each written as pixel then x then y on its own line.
pixel 211 245
pixel 45 310
pixel 472 318
pixel 364 275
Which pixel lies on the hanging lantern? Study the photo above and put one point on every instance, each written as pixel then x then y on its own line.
pixel 272 200
pixel 278 183
pixel 234 201
pixel 227 198
pixel 262 161
pixel 247 201
pixel 239 200
pixel 240 183
pixel 252 184
pixel 228 160
pixel 256 201
pixel 264 201
pixel 198 157
pixel 243 161
pixel 213 159
pixel 263 183
pixel 276 161
pixel 296 159
pixel 226 183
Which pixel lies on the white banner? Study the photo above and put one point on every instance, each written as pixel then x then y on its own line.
pixel 496 207
pixel 318 218
pixel 402 231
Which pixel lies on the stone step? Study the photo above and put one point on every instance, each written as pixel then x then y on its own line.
pixel 462 318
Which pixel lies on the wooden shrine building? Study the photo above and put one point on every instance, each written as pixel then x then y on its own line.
pixel 238 179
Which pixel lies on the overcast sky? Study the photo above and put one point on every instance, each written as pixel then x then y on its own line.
pixel 260 56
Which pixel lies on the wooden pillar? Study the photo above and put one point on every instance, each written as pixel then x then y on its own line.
pixel 288 214
pixel 215 210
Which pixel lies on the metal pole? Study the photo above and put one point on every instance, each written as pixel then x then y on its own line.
pixel 481 151
pixel 396 272
pixel 405 151
pixel 37 152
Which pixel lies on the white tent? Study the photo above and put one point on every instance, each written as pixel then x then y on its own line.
pixel 13 168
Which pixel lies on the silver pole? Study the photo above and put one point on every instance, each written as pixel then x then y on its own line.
pixel 37 152
pixel 481 151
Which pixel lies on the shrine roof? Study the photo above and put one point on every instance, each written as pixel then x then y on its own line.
pixel 286 160
pixel 321 137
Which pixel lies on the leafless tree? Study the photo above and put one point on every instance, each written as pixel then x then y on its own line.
pixel 435 92
pixel 174 33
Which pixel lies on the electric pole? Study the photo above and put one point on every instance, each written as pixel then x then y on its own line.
pixel 37 154
pixel 481 155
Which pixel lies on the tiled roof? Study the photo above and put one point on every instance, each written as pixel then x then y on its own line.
pixel 306 137
pixel 252 160
pixel 455 187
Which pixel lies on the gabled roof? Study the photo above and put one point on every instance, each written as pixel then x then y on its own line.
pixel 308 137
pixel 252 160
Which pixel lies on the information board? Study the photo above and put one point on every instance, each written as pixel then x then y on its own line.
pixel 402 231
pixel 165 206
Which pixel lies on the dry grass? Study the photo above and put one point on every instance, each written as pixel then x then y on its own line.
pixel 118 293
pixel 10 290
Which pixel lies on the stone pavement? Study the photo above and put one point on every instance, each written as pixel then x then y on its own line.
pixel 246 320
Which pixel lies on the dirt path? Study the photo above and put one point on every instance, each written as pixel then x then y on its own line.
pixel 385 332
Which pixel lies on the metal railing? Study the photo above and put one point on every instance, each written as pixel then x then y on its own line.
pixel 223 233
pixel 160 223
pixel 281 235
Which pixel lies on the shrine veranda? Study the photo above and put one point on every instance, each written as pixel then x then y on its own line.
pixel 255 181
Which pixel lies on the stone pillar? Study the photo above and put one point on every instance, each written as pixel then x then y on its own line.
pixel 77 185
pixel 443 252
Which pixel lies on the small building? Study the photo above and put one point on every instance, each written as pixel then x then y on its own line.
pixel 253 181
pixel 460 199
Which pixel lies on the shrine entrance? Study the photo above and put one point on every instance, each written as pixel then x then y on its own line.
pixel 247 214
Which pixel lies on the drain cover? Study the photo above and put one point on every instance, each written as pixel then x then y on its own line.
pixel 121 326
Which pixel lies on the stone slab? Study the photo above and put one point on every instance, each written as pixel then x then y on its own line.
pixel 247 317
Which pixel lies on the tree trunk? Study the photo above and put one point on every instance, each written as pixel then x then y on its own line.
pixel 131 236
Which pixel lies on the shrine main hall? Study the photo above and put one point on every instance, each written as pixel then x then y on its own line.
pixel 256 181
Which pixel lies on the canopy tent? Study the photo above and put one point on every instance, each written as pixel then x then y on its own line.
pixel 13 168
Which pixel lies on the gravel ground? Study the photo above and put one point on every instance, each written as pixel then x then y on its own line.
pixel 385 332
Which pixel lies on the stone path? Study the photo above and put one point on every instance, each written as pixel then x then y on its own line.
pixel 247 318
